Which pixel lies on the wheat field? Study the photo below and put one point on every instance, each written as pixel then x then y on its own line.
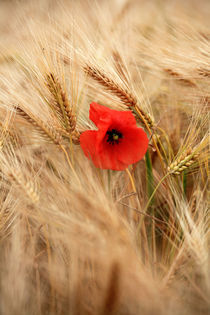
pixel 77 239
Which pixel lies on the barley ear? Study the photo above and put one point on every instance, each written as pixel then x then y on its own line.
pixel 60 103
pixel 187 159
pixel 44 130
pixel 27 186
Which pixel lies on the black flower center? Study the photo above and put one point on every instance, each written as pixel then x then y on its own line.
pixel 113 136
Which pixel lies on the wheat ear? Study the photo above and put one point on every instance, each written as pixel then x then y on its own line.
pixel 123 94
pixel 27 186
pixel 183 162
pixel 7 135
pixel 61 104
pixel 42 128
pixel 180 78
pixel 204 72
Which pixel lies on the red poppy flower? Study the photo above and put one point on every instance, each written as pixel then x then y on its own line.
pixel 118 141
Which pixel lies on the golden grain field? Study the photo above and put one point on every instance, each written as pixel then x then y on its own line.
pixel 76 239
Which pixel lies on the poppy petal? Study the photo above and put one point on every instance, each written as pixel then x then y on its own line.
pixel 88 143
pixel 133 146
pixel 123 119
pixel 105 159
pixel 109 159
pixel 100 114
pixel 113 153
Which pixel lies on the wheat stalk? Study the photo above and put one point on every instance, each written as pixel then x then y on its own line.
pixel 61 103
pixel 183 162
pixel 123 94
pixel 43 129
